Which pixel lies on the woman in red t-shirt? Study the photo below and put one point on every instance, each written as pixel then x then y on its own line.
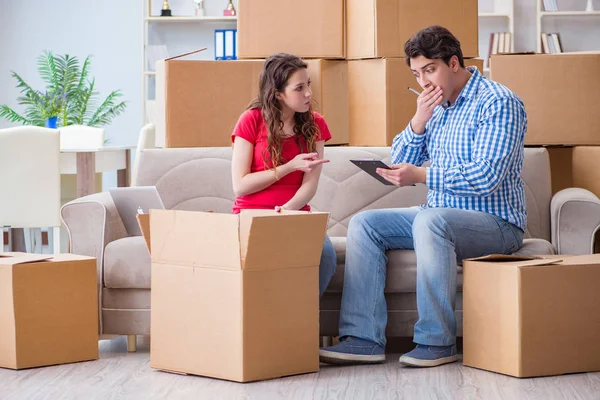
pixel 278 147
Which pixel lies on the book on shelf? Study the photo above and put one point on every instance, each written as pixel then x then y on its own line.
pixel 557 43
pixel 500 42
pixel 551 43
pixel 507 42
pixel 545 47
pixel 550 5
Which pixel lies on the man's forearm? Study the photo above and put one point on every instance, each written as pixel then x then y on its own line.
pixel 418 127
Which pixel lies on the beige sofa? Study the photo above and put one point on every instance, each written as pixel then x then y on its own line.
pixel 200 179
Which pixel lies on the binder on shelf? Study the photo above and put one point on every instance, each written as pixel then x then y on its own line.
pixel 229 45
pixel 226 44
pixel 219 45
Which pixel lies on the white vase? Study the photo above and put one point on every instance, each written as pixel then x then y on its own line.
pixel 590 6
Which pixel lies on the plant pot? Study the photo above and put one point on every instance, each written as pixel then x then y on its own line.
pixel 51 122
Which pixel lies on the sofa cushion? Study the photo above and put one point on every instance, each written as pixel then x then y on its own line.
pixel 344 189
pixel 196 179
pixel 132 299
pixel 127 264
pixel 533 247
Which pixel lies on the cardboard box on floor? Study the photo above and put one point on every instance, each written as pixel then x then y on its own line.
pixel 311 28
pixel 198 102
pixel 380 104
pixel 236 296
pixel 559 92
pixel 377 28
pixel 48 309
pixel 526 318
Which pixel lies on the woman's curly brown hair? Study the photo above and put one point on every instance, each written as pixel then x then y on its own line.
pixel 273 79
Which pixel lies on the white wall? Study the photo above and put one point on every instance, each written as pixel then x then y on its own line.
pixel 112 31
pixel 109 30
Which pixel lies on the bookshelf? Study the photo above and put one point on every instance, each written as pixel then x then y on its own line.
pixel 177 34
pixel 566 15
pixel 500 18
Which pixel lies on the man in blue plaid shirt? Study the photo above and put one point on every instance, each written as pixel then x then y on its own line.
pixel 471 130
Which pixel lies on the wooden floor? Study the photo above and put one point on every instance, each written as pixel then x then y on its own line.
pixel 119 375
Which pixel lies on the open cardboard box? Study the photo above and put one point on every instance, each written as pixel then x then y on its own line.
pixel 528 317
pixel 235 296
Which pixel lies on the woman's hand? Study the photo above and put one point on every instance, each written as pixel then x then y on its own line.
pixel 305 162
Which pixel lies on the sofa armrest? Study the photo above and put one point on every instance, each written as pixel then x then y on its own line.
pixel 575 219
pixel 93 222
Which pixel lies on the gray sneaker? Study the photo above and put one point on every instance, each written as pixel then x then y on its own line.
pixel 352 350
pixel 429 356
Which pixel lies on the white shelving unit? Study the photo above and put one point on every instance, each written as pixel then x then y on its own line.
pixel 544 15
pixel 504 10
pixel 174 23
pixel 169 20
pixel 569 13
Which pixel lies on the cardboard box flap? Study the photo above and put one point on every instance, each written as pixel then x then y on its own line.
pixel 195 239
pixel 185 54
pixel 268 239
pixel 587 259
pixel 69 257
pixel 516 260
pixel 22 258
pixel 144 223
pixel 503 257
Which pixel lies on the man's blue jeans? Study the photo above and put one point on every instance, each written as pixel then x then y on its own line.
pixel 441 238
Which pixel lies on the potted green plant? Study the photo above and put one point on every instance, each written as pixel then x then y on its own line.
pixel 70 96
pixel 51 105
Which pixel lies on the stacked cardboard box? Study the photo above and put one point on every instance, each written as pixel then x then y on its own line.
pixel 380 104
pixel 199 102
pixel 559 92
pixel 370 36
pixel 354 49
pixel 378 77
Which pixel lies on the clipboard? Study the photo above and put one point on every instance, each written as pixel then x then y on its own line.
pixel 369 166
